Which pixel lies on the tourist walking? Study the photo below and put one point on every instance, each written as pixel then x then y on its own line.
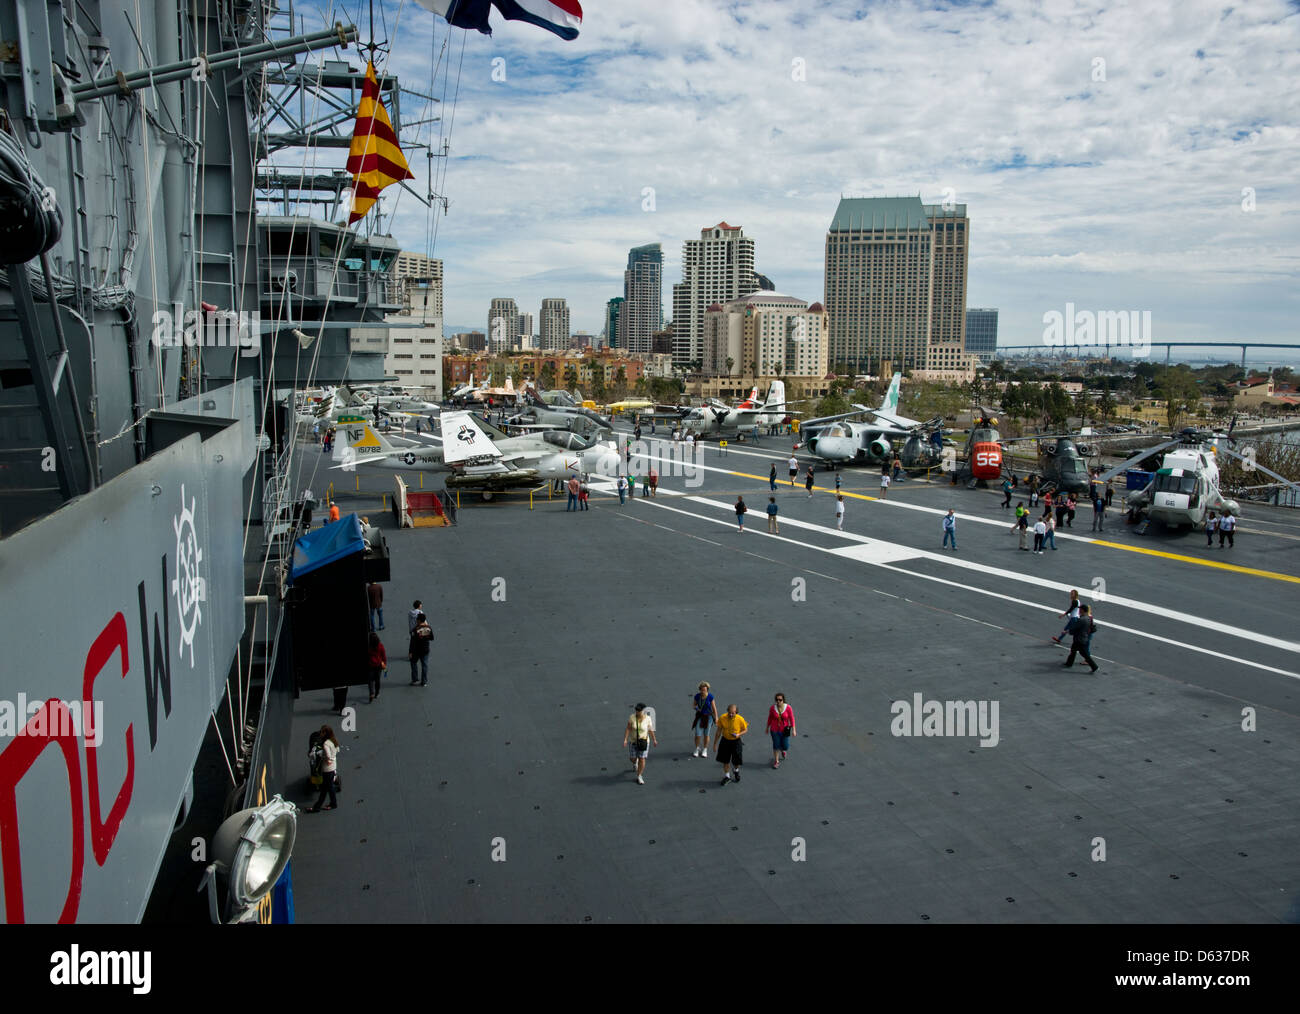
pixel 377 664
pixel 1098 511
pixel 839 511
pixel 1082 628
pixel 808 482
pixel 574 487
pixel 727 744
pixel 375 593
pixel 837 482
pixel 1227 526
pixel 654 482
pixel 771 477
pixel 329 747
pixel 950 530
pixel 772 527
pixel 413 617
pixel 794 469
pixel 1050 521
pixel 1021 526
pixel 418 651
pixel 1033 491
pixel 1006 493
pixel 1071 611
pixel 1211 527
pixel 740 510
pixel 706 713
pixel 1070 505
pixel 622 489
pixel 583 494
pixel 884 485
pixel 1110 491
pixel 1060 507
pixel 638 734
pixel 780 725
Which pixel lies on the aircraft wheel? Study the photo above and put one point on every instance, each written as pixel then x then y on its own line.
pixel 487 495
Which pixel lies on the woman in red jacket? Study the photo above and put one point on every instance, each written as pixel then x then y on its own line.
pixel 378 664
pixel 780 723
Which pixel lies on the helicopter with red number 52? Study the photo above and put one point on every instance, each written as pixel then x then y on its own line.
pixel 983 459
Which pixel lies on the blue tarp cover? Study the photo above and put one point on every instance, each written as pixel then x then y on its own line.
pixel 323 546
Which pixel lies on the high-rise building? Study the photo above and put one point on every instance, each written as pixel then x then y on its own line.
pixel 895 280
pixel 412 354
pixel 526 328
pixel 982 333
pixel 554 335
pixel 765 334
pixel 716 268
pixel 613 310
pixel 415 353
pixel 643 304
pixel 503 325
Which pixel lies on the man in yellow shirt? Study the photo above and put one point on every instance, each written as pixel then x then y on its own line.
pixel 727 744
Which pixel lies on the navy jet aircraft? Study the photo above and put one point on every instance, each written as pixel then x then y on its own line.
pixel 841 440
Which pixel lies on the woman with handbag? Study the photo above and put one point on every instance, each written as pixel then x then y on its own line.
pixel 378 664
pixel 329 747
pixel 639 732
pixel 780 723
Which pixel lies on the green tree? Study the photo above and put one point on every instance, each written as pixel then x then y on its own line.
pixel 1176 386
pixel 832 404
pixel 620 384
pixel 1056 405
pixel 730 363
pixel 598 392
pixel 1106 406
pixel 547 376
pixel 570 377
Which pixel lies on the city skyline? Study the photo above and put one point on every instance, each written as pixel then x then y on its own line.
pixel 1114 159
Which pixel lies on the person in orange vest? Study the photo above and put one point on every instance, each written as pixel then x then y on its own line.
pixel 334 512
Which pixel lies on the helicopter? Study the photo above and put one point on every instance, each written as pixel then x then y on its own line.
pixel 1185 488
pixel 983 451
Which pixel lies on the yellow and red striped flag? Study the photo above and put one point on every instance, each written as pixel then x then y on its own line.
pixel 375 160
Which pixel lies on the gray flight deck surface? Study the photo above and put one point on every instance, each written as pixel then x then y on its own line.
pixel 516 743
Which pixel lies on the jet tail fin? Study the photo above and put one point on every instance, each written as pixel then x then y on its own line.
pixel 775 395
pixel 360 440
pixel 890 404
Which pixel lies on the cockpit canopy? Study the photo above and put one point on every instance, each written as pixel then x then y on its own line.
pixel 568 440
pixel 1169 483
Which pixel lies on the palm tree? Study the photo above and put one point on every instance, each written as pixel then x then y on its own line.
pixel 730 363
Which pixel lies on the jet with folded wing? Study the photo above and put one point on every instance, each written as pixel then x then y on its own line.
pixel 480 456
pixel 848 439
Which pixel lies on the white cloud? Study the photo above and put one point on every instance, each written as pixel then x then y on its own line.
pixel 1077 188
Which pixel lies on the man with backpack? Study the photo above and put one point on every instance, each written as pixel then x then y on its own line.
pixel 418 653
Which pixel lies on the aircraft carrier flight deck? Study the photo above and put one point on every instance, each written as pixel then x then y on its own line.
pixel 1160 789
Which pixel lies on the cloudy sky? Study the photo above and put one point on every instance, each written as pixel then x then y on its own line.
pixel 1117 157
